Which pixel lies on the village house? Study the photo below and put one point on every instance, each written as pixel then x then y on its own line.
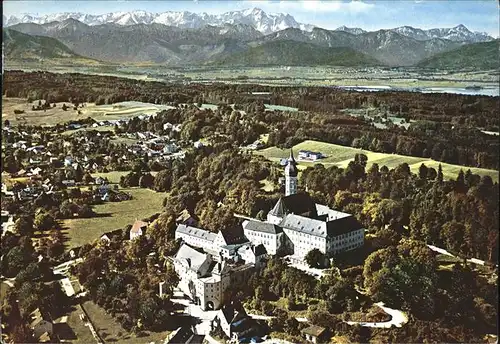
pixel 170 148
pixel 234 321
pixel 68 182
pixel 68 161
pixel 308 155
pixel 138 229
pixel 109 236
pixel 34 161
pixel 183 335
pixel 256 145
pixel 314 334
pixel 41 324
pixel 186 218
pixel 36 149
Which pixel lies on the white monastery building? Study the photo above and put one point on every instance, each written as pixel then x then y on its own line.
pixel 297 224
pixel 222 260
pixel 209 263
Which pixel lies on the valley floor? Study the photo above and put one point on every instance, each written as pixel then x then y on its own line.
pixel 283 75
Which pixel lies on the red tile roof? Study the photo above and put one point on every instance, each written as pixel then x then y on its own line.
pixel 138 225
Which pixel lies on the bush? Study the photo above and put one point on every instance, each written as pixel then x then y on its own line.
pixel 267 308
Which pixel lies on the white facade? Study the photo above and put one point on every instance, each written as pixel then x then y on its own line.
pixel 346 242
pixel 271 241
pixel 325 229
pixel 204 279
pixel 196 237
pixel 290 185
pixel 302 243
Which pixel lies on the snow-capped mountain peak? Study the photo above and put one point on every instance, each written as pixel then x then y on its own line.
pixel 264 22
pixel 351 30
pixel 459 33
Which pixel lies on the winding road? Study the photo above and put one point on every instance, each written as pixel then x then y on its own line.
pixel 398 318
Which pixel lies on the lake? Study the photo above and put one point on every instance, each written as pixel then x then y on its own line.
pixel 485 91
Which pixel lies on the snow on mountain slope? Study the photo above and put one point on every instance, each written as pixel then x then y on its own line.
pixel 351 30
pixel 458 33
pixel 264 22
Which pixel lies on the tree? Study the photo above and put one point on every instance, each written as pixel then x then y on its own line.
pixel 21 334
pixel 31 273
pixel 163 181
pixel 17 259
pixel 24 225
pixel 44 221
pixel 422 172
pixel 85 211
pixel 315 258
pixel 440 174
pixel 146 180
pixel 64 107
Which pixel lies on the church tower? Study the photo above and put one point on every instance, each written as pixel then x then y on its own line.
pixel 291 173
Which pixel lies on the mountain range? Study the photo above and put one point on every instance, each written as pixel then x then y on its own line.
pixel 263 22
pixel 237 38
pixel 478 56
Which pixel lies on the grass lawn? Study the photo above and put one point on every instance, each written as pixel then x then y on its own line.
pixel 56 115
pixel 125 140
pixel 446 259
pixel 4 287
pixel 302 313
pixel 267 185
pixel 113 176
pixel 341 156
pixel 11 181
pixel 103 128
pixel 113 215
pixel 264 138
pixel 78 333
pixel 111 330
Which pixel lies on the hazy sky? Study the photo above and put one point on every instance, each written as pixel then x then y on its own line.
pixel 477 15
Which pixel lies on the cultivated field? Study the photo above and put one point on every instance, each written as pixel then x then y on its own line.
pixel 341 156
pixel 113 215
pixel 284 75
pixel 56 115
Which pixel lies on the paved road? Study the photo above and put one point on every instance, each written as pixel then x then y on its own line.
pixel 195 311
pixel 398 318
pixel 443 251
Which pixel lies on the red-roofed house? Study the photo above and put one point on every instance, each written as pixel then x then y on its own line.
pixel 137 229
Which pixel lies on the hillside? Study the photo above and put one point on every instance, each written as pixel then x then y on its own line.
pixel 22 47
pixel 295 54
pixel 174 46
pixel 476 56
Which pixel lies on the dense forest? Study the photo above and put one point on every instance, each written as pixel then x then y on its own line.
pixel 447 126
pixel 401 211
